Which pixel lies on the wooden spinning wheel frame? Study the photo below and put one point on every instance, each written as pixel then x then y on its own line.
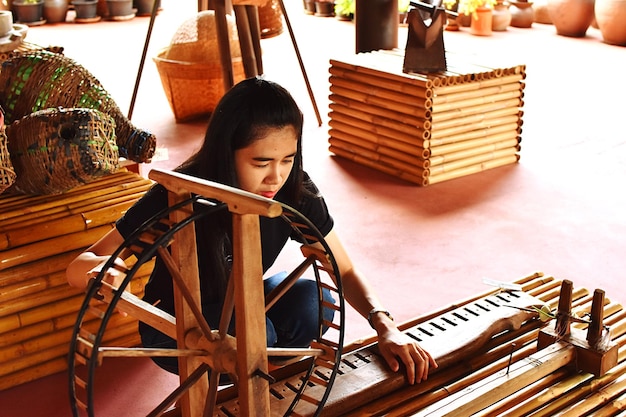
pixel 200 349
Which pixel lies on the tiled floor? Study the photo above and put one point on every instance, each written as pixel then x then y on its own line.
pixel 561 210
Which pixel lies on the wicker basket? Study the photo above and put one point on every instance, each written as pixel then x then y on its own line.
pixel 54 150
pixel 37 80
pixel 270 19
pixel 7 173
pixel 190 68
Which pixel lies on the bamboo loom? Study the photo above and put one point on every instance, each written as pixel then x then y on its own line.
pixel 549 386
pixel 425 128
pixel 39 236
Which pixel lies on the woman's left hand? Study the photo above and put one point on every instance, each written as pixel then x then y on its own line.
pixel 397 347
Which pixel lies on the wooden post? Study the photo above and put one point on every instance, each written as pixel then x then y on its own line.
pixel 250 316
pixel 185 255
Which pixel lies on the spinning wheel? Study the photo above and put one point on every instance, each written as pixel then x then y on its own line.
pixel 203 351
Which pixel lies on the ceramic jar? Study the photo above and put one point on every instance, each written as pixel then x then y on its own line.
pixel 501 16
pixel 55 11
pixel 611 19
pixel 481 22
pixel 571 17
pixel 522 14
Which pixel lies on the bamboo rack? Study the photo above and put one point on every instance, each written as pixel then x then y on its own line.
pixel 425 128
pixel 39 236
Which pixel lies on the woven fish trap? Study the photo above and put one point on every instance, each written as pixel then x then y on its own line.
pixel 55 150
pixel 7 173
pixel 37 80
pixel 190 67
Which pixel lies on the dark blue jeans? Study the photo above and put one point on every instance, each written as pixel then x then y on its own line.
pixel 291 322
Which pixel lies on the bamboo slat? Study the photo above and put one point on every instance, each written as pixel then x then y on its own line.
pixel 453 118
pixel 39 236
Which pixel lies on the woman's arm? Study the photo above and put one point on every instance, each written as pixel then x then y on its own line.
pixel 393 344
pixel 84 266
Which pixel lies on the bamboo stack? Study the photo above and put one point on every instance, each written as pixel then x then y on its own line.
pixel 425 128
pixel 39 236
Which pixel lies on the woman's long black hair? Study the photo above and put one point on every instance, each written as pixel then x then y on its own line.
pixel 244 114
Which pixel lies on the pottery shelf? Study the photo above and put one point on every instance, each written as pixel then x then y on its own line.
pixel 39 236
pixel 425 128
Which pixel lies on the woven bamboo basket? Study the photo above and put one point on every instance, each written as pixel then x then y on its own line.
pixel 190 69
pixel 7 173
pixel 54 150
pixel 37 80
pixel 270 19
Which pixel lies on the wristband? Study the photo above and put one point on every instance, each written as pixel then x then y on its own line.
pixel 377 310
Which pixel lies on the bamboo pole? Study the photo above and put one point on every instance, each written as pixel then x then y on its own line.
pixel 395 126
pixel 114 182
pixel 374 90
pixel 466 153
pixel 371 164
pixel 362 63
pixel 420 113
pixel 478 85
pixel 390 84
pixel 51 264
pixel 468 115
pixel 441 134
pixel 486 139
pixel 380 159
pixel 462 96
pixel 391 135
pixel 346 141
pixel 367 135
pixel 422 126
pixel 472 169
pixel 375 155
pixel 38 214
pixel 38 250
pixel 474 101
pixel 481 158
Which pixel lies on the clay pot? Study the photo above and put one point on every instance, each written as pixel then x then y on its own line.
pixel 611 19
pixel 501 16
pixel 540 8
pixel 481 22
pixel 55 11
pixel 522 14
pixel 120 8
pixel 571 17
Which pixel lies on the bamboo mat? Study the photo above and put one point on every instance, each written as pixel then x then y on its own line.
pixel 39 236
pixel 425 128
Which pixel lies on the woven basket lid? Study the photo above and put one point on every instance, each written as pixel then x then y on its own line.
pixel 196 39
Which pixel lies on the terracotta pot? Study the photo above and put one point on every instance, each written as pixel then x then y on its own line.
pixel 571 17
pixel 501 16
pixel 55 11
pixel 324 8
pixel 611 19
pixel 85 9
pixel 120 7
pixel 540 8
pixel 522 15
pixel 28 12
pixel 144 7
pixel 481 22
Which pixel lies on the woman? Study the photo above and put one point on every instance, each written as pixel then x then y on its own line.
pixel 253 142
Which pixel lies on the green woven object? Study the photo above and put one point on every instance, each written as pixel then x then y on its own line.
pixel 54 150
pixel 7 173
pixel 39 80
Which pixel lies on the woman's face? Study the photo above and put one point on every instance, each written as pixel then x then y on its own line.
pixel 264 166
